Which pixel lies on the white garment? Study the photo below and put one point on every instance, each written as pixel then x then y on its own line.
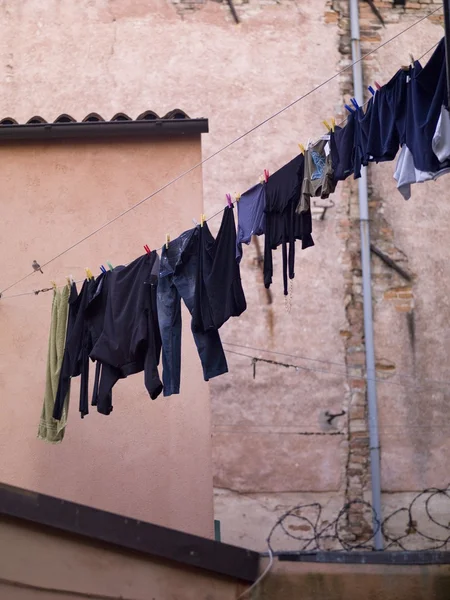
pixel 406 173
pixel 441 138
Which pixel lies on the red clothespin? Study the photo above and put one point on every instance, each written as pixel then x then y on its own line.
pixel 266 175
pixel 147 249
pixel 230 204
pixel 377 85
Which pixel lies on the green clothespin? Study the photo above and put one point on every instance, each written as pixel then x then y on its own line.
pixel 111 268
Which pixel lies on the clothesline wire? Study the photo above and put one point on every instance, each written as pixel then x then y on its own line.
pixel 256 359
pixel 222 149
pixel 399 374
pixel 36 292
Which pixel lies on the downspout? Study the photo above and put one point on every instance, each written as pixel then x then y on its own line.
pixel 367 293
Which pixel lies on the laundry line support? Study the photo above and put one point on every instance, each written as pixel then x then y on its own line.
pixel 374 438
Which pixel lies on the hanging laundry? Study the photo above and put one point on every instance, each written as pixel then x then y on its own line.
pixel 251 216
pixel 441 138
pixel 426 94
pixel 76 354
pixel 318 180
pixel 51 430
pixel 341 150
pixel 218 292
pixel 406 173
pixel 129 342
pixel 388 119
pixel 283 224
pixel 177 279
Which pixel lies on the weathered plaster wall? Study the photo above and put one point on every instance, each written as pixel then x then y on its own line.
pixel 107 56
pixel 271 443
pixel 149 459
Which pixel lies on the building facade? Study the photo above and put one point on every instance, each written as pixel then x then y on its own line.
pixel 282 436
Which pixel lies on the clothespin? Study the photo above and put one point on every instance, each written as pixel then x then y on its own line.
pixel 354 102
pixel 371 90
pixel 111 268
pixel 350 110
pixel 333 123
pixel 102 269
pixel 69 280
pixel 266 175
pixel 411 59
pixel 228 197
pixel 167 241
pixel 89 273
pixel 327 125
pixel 237 196
pixel 202 220
pixel 377 85
pixel 302 148
pixel 147 249
pixel 53 284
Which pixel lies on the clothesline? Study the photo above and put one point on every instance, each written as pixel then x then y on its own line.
pixel 48 289
pixel 299 368
pixel 216 153
pixel 398 374
pixel 130 317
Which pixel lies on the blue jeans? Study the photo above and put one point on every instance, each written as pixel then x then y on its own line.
pixel 177 279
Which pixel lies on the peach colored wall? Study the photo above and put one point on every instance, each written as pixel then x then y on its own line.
pixel 68 564
pixel 148 459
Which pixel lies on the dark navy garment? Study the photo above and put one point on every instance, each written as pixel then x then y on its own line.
pixel 388 122
pixel 76 352
pixel 283 224
pixel 426 93
pixel 251 216
pixel 361 136
pixel 218 292
pixel 177 279
pixel 341 148
pixel 130 341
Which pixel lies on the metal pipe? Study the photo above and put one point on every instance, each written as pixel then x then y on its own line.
pixel 447 44
pixel 367 293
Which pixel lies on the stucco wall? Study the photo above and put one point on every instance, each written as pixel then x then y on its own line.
pixel 148 459
pixel 272 447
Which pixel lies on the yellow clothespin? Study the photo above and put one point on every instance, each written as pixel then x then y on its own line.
pixel 167 241
pixel 202 220
pixel 237 196
pixel 327 125
pixel 53 284
pixel 333 123
pixel 89 273
pixel 302 148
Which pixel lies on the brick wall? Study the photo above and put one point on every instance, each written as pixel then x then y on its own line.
pixel 387 282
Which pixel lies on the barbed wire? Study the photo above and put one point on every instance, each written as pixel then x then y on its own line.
pixel 403 527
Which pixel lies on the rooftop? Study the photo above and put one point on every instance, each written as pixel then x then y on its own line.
pixel 147 124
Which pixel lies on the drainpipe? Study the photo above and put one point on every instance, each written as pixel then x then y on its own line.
pixel 367 293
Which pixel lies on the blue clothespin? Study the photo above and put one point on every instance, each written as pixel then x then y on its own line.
pixel 102 269
pixel 371 90
pixel 355 104
pixel 350 110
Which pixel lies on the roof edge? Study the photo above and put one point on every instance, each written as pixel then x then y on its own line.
pixel 102 129
pixel 122 532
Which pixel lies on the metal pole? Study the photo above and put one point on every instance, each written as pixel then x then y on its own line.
pixel 447 44
pixel 367 294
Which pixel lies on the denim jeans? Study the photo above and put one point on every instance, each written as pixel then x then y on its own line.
pixel 177 279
